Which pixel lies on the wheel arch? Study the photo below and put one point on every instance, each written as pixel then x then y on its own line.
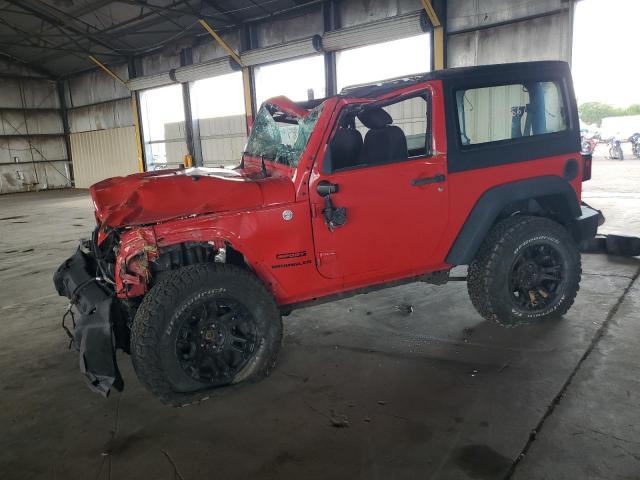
pixel 236 252
pixel 549 196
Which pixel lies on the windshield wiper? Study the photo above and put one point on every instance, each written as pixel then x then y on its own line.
pixel 262 157
pixel 264 167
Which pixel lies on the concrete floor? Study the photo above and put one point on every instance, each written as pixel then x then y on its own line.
pixel 437 394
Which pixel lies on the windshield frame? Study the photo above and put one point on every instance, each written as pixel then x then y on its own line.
pixel 266 141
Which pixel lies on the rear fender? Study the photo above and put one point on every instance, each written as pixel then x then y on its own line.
pixel 551 192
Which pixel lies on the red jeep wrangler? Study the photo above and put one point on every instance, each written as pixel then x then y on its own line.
pixel 190 270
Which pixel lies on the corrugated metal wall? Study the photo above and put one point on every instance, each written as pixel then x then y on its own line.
pixel 483 32
pixel 223 139
pixel 101 124
pixel 102 154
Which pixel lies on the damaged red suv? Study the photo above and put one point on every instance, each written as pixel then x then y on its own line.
pixel 190 270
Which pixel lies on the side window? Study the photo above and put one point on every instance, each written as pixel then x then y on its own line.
pixel 505 112
pixel 378 134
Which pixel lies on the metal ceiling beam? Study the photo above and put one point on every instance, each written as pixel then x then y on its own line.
pixel 92 7
pixel 43 36
pixel 261 7
pixel 26 37
pixel 156 8
pixel 214 5
pixel 80 53
pixel 59 20
pixel 108 37
pixel 36 68
pixel 142 16
pixel 132 30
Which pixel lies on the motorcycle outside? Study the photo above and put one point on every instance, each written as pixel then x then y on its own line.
pixel 635 144
pixel 589 143
pixel 615 149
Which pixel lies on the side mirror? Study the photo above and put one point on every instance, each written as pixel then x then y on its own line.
pixel 325 188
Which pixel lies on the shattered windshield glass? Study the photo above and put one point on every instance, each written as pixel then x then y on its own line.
pixel 279 137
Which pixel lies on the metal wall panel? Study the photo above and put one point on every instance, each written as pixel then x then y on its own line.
pixel 223 140
pixel 32 176
pixel 102 116
pixel 357 12
pixel 37 148
pixel 465 15
pixel 211 50
pixel 96 86
pixel 13 122
pixel 103 154
pixel 283 30
pixel 28 93
pixel 544 38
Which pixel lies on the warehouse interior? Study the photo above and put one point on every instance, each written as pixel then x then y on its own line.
pixel 408 382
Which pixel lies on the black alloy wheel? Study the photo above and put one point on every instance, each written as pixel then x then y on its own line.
pixel 202 327
pixel 537 276
pixel 215 340
pixel 527 269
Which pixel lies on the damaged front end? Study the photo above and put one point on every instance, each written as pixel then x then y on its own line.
pixel 101 325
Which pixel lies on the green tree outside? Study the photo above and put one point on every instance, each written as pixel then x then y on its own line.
pixel 593 112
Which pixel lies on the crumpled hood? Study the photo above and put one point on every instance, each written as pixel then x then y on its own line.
pixel 162 195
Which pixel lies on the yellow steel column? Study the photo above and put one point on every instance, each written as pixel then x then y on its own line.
pixel 248 103
pixel 438 35
pixel 111 73
pixel 136 124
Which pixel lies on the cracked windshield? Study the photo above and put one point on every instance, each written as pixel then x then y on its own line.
pixel 281 138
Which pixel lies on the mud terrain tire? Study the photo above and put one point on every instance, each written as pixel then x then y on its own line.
pixel 502 263
pixel 180 302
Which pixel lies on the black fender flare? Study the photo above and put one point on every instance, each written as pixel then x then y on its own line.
pixel 492 202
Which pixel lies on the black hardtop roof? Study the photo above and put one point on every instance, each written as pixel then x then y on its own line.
pixel 380 88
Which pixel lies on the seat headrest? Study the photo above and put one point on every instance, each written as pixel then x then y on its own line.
pixel 375 118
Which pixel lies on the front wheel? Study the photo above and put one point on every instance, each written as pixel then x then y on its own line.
pixel 201 327
pixel 527 269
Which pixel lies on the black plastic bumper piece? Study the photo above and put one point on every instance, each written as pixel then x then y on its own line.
pixel 585 227
pixel 93 335
pixel 621 245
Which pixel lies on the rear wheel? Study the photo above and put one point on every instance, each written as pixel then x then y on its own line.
pixel 201 327
pixel 528 268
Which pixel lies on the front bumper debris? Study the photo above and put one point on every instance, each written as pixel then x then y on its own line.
pixel 93 333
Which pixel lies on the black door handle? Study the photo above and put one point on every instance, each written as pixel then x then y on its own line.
pixel 417 182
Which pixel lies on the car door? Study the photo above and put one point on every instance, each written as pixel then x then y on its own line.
pixel 396 209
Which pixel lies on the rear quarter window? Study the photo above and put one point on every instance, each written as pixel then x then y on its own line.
pixel 508 112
